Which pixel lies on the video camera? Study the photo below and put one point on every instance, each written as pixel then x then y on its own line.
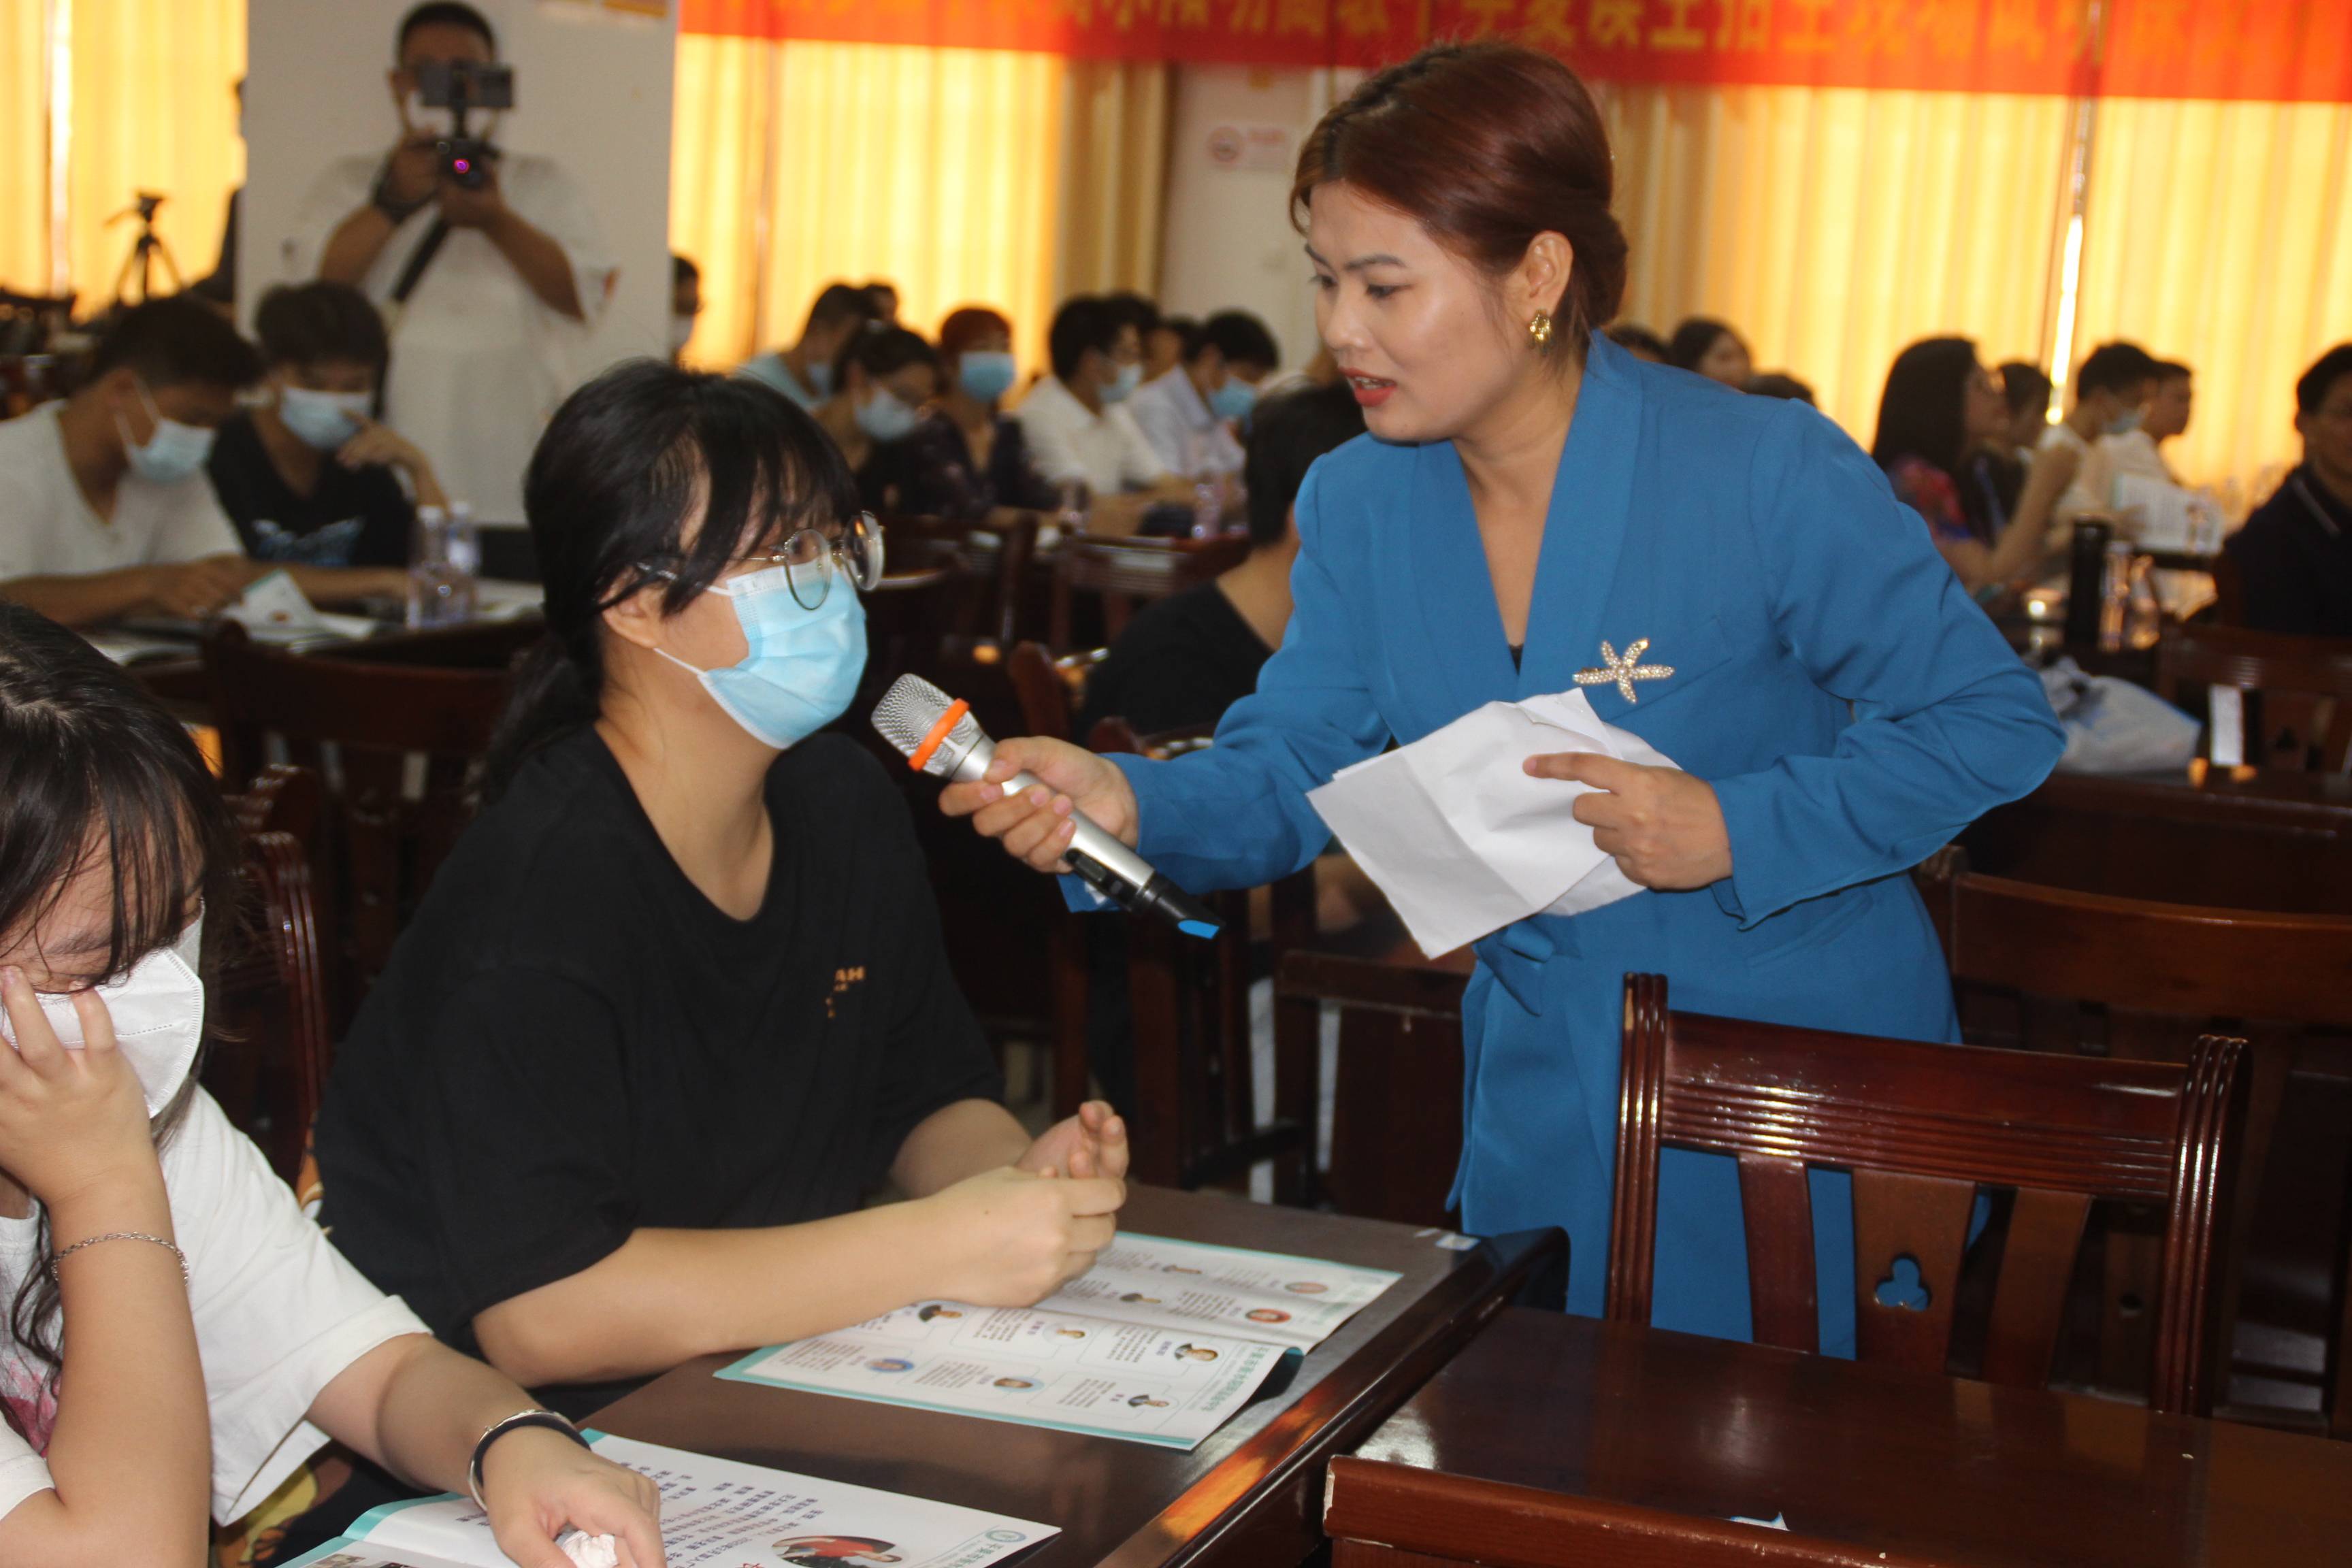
pixel 462 86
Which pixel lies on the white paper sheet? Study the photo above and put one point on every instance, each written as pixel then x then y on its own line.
pixel 716 1513
pixel 1462 840
pixel 1160 1342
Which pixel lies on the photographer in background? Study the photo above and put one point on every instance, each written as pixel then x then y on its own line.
pixel 488 288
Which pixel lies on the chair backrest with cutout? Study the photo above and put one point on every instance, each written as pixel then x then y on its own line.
pixel 1921 1127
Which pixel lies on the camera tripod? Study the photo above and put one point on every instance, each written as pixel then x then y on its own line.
pixel 145 252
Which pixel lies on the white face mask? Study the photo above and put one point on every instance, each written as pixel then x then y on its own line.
pixel 158 1011
pixel 681 332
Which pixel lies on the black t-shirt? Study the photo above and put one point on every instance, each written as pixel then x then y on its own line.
pixel 2295 560
pixel 356 517
pixel 572 1042
pixel 1180 663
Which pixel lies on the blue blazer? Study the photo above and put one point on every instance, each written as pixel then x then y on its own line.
pixel 1850 705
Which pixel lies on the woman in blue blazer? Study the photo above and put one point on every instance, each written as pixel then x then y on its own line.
pixel 1727 576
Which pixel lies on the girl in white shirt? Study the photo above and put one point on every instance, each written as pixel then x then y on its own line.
pixel 178 1338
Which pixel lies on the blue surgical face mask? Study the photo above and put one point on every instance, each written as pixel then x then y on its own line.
pixel 802 666
pixel 2124 424
pixel 1234 400
pixel 987 374
pixel 1123 385
pixel 322 419
pixel 886 417
pixel 174 452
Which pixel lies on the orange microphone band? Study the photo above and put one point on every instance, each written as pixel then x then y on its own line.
pixel 948 721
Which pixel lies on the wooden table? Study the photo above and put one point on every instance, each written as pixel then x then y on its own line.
pixel 1556 1440
pixel 2269 841
pixel 1250 1493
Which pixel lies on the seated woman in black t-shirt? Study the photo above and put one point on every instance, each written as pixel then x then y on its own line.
pixel 308 478
pixel 678 1002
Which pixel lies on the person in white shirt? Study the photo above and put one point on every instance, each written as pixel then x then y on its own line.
pixel 2164 416
pixel 804 372
pixel 2064 483
pixel 1189 413
pixel 485 344
pixel 105 508
pixel 1077 431
pixel 181 1337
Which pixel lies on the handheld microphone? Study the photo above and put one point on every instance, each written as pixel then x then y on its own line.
pixel 938 736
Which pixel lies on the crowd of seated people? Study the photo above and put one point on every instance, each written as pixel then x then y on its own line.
pixel 154 490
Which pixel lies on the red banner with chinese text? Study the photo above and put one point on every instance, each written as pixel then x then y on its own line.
pixel 2267 49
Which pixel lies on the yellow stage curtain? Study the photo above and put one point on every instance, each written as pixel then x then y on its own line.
pixel 1114 147
pixel 23 146
pixel 155 109
pixel 796 164
pixel 2219 234
pixel 1833 226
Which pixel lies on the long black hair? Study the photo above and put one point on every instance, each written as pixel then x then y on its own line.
pixel 625 466
pixel 1923 413
pixel 94 773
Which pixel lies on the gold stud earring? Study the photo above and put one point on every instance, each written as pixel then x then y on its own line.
pixel 1539 329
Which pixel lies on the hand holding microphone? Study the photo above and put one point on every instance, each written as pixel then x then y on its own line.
pixel 1053 805
pixel 1036 825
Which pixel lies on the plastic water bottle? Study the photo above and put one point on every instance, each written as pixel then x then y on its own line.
pixel 2114 606
pixel 440 591
pixel 1208 508
pixel 465 550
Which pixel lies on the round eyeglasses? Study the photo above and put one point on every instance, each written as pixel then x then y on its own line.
pixel 811 558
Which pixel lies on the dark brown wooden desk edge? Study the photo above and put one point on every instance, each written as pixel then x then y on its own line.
pixel 1383 1514
pixel 1282 1511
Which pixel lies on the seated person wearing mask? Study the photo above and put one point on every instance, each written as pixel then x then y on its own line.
pixel 105 510
pixel 503 281
pixel 308 476
pixel 968 459
pixel 2294 554
pixel 2066 481
pixel 678 1002
pixel 2165 414
pixel 1188 414
pixel 804 372
pixel 1078 431
pixel 1186 658
pixel 886 378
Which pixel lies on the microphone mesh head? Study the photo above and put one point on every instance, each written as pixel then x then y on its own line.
pixel 911 710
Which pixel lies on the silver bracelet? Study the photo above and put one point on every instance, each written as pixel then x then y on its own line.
pixel 500 1428
pixel 65 1253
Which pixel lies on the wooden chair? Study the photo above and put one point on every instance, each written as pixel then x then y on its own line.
pixel 998 555
pixel 2047 968
pixel 1396 1122
pixel 1051 690
pixel 394 746
pixel 271 1039
pixel 1126 572
pixel 2299 690
pixel 1921 1126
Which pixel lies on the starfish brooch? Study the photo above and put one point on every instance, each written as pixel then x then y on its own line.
pixel 1622 671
